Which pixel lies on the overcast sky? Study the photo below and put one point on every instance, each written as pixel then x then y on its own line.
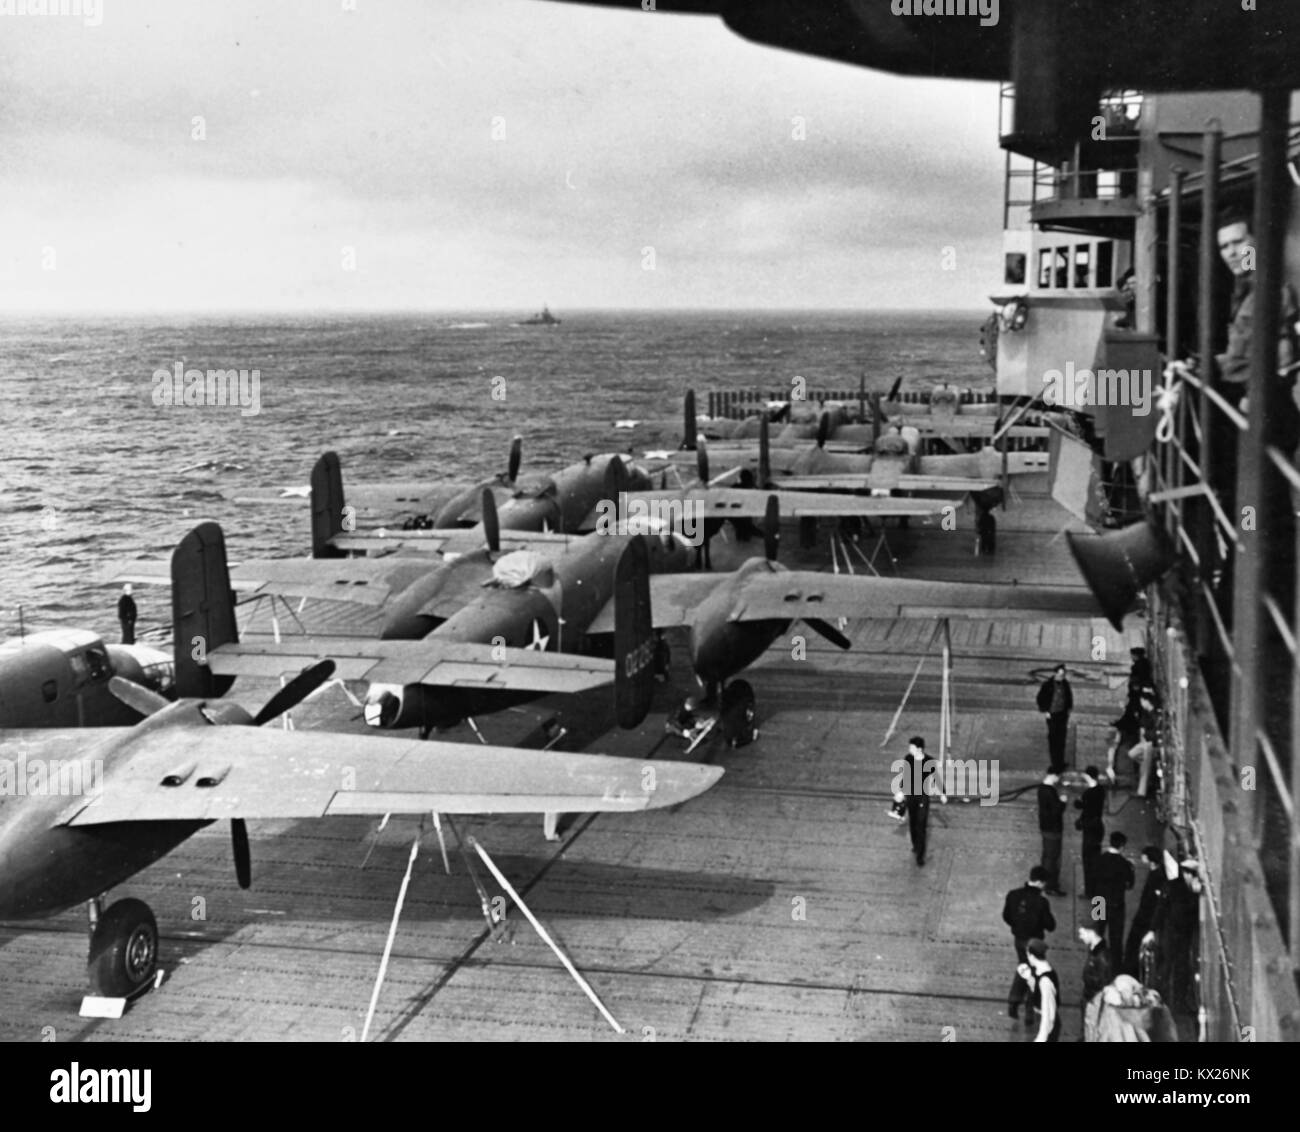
pixel 476 154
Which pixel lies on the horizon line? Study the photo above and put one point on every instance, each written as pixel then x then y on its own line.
pixel 415 312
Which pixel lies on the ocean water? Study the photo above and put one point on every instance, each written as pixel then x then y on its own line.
pixel 93 470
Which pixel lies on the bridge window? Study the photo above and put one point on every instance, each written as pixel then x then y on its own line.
pixel 1105 263
pixel 1045 268
pixel 1082 264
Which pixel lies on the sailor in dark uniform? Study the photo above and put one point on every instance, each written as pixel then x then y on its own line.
pixel 1055 701
pixel 1141 675
pixel 1091 823
pixel 126 614
pixel 1097 968
pixel 1112 877
pixel 1153 892
pixel 916 771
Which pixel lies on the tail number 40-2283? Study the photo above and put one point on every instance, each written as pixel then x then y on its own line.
pixel 639 658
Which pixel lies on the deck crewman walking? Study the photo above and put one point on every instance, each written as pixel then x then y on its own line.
pixel 1027 912
pixel 1046 992
pixel 911 789
pixel 1112 877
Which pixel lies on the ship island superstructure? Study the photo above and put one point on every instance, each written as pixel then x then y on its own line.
pixel 1112 266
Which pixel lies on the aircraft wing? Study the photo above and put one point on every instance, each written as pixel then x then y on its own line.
pixel 402 497
pixel 968 426
pixel 23 744
pixel 458 541
pixel 673 600
pixel 790 594
pixel 751 503
pixel 847 482
pixel 437 663
pixel 985 465
pixel 360 580
pixel 267 773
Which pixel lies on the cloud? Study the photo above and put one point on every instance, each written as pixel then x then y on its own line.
pixel 476 154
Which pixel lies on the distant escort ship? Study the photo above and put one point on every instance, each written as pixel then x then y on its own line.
pixel 543 319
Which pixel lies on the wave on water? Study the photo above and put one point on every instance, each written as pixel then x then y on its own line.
pixel 213 466
pixel 48 607
pixel 396 396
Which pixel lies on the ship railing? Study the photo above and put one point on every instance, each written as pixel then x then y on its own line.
pixel 1225 492
pixel 1073 182
pixel 735 404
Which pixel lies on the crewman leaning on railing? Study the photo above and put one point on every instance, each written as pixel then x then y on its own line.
pixel 1237 247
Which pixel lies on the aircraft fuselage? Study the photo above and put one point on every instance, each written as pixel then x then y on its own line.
pixel 563 501
pixel 47 866
pixel 550 613
pixel 721 647
pixel 60 679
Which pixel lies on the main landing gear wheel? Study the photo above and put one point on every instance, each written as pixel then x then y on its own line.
pixel 736 711
pixel 123 950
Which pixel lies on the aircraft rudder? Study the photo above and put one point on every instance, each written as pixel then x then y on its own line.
pixel 203 610
pixel 634 637
pixel 690 428
pixel 326 506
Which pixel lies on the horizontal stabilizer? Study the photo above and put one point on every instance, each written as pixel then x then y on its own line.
pixel 433 662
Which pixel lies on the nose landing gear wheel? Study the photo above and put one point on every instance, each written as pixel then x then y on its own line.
pixel 123 950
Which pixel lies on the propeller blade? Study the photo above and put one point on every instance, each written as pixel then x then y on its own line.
pixel 491 523
pixel 515 460
pixel 764 453
pixel 136 696
pixel 294 692
pixel 702 461
pixel 243 858
pixel 893 389
pixel 823 429
pixel 831 633
pixel 772 528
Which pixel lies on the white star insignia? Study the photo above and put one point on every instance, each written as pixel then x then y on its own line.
pixel 540 637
